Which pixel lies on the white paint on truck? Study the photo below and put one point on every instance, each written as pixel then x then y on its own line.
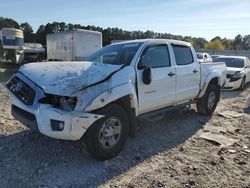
pixel 76 94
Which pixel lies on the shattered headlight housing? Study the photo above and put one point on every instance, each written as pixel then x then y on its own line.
pixel 236 76
pixel 60 102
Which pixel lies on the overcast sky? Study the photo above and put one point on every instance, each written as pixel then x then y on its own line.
pixel 197 18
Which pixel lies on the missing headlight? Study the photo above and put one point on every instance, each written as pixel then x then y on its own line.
pixel 60 102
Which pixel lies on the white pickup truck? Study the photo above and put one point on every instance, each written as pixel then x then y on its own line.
pixel 100 100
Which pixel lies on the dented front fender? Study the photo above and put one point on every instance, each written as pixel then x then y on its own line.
pixel 113 94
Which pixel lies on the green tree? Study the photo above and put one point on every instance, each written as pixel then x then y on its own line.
pixel 246 42
pixel 216 38
pixel 238 43
pixel 215 45
pixel 29 36
pixel 40 36
pixel 7 22
pixel 148 34
pixel 228 43
pixel 199 43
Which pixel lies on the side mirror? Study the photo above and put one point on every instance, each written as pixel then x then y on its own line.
pixel 147 75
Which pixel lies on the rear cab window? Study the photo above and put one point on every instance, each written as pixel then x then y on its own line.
pixel 183 54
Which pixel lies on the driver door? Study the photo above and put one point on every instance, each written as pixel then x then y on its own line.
pixel 160 92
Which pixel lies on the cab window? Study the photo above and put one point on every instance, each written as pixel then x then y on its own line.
pixel 155 56
pixel 183 55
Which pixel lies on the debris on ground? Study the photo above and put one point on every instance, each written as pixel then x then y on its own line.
pixel 215 129
pixel 248 100
pixel 220 139
pixel 231 129
pixel 232 151
pixel 230 114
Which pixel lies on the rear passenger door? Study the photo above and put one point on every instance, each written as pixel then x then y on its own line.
pixel 188 73
pixel 161 91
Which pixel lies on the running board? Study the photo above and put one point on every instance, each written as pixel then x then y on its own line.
pixel 160 114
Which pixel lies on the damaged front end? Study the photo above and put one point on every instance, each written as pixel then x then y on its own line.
pixel 235 77
pixel 53 115
pixel 60 94
pixel 233 80
pixel 61 102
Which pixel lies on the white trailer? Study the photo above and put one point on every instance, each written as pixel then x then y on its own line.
pixel 73 45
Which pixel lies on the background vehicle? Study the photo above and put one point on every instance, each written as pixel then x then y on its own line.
pixel 238 71
pixel 204 57
pixel 73 45
pixel 215 56
pixel 33 52
pixel 12 42
pixel 100 100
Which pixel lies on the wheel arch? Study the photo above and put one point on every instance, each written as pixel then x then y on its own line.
pixel 123 95
pixel 211 79
pixel 125 102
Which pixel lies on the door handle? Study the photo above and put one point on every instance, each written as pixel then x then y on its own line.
pixel 171 74
pixel 195 71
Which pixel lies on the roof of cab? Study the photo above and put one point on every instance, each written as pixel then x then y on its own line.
pixel 178 42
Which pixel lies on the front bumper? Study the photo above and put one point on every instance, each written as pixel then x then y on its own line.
pixel 41 117
pixel 232 85
pixel 75 123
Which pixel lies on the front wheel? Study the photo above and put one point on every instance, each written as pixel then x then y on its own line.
pixel 207 104
pixel 106 137
pixel 243 83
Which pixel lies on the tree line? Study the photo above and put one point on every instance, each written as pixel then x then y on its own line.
pixel 217 43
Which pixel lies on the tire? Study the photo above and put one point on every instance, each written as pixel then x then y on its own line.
pixel 243 83
pixel 207 104
pixel 101 140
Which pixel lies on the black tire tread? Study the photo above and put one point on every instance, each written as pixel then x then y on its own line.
pixel 91 139
pixel 242 85
pixel 201 104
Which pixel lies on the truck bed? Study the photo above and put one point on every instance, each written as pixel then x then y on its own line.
pixel 208 68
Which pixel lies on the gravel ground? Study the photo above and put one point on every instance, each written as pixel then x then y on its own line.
pixel 167 152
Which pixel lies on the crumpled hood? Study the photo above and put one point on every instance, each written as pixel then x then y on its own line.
pixel 64 78
pixel 233 70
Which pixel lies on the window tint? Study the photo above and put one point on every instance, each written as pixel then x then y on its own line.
pixel 231 62
pixel 156 56
pixel 183 55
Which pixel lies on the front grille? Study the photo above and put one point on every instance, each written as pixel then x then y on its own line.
pixel 21 90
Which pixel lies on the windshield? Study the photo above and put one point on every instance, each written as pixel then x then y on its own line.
pixel 231 62
pixel 199 56
pixel 117 54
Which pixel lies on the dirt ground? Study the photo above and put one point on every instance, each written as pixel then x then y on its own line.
pixel 167 152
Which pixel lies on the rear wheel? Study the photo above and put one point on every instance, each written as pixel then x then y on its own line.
pixel 207 104
pixel 106 137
